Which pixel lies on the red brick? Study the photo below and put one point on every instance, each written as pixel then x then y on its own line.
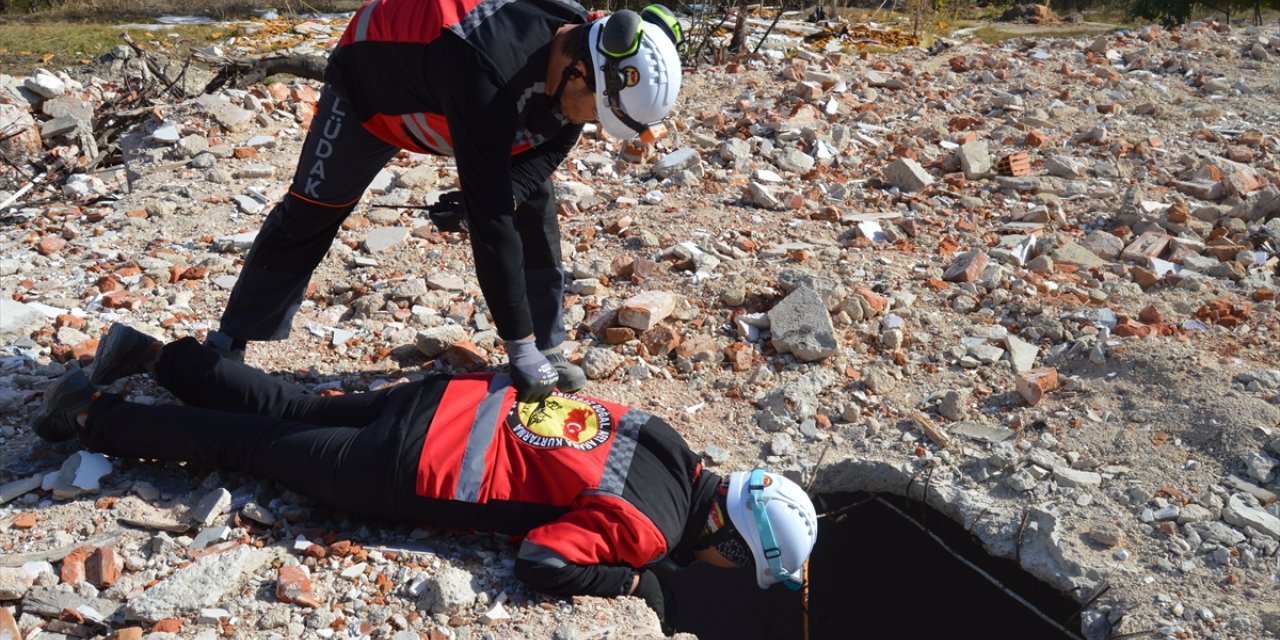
pixel 24 520
pixel 465 356
pixel 967 267
pixel 244 153
pixel 1129 328
pixel 1014 164
pixel 1036 138
pixel 195 273
pixel 1145 278
pixel 1148 245
pixel 50 245
pixel 619 335
pixel 103 567
pixel 877 302
pixel 660 340
pixel 1151 315
pixel 1034 384
pixel 8 626
pixel 123 300
pixel 168 625
pixel 73 569
pixel 84 349
pixel 293 585
pixel 68 320
pixel 739 356
pixel 127 633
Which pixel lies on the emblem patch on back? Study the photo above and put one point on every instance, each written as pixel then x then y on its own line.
pixel 561 421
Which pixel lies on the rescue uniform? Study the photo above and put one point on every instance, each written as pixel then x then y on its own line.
pixel 597 490
pixel 461 78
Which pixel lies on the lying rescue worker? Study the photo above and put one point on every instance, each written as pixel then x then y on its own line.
pixel 600 492
pixel 502 86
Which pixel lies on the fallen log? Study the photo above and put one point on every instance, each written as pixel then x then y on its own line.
pixel 240 72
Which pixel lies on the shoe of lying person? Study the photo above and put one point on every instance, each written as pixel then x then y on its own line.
pixel 226 346
pixel 124 352
pixel 572 377
pixel 68 397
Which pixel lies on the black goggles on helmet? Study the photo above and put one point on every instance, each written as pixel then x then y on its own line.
pixel 618 40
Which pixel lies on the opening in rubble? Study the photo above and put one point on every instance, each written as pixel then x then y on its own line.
pixel 876 573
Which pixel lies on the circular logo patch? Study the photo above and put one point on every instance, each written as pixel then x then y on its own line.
pixel 561 421
pixel 630 76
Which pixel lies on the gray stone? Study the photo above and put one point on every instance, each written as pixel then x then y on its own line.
pixel 781 444
pixel 735 150
pixel 1068 477
pixel 981 432
pixel 1240 514
pixel 1072 253
pixel 385 238
pixel 201 584
pixel 248 205
pixel 829 289
pixel 211 506
pixel 1022 480
pixel 445 282
pixel 258 513
pixel 763 197
pixel 599 363
pixel 1106 533
pixel 1218 532
pixel 1103 244
pixel 18 319
pixel 878 380
pixel 975 159
pixel 1022 354
pixel 1259 466
pixel 14 583
pixel 59 126
pixel 448 591
pixel 231 117
pixel 907 175
pixel 677 161
pixel 1193 512
pixel 436 340
pixel 1266 378
pixel 954 404
pixel 1063 167
pixel 793 160
pixel 802 326
pixel 45 84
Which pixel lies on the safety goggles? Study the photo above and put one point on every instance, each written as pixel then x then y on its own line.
pixel 769 542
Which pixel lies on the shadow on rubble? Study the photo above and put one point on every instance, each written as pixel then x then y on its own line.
pixel 876 574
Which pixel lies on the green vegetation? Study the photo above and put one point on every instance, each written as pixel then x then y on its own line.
pixel 115 9
pixel 1173 12
pixel 25 45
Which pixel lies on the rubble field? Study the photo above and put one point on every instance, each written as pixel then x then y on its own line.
pixel 1033 284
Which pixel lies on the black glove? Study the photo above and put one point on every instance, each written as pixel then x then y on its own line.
pixel 449 214
pixel 534 376
pixel 659 598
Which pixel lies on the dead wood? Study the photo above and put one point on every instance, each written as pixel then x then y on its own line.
pixel 244 71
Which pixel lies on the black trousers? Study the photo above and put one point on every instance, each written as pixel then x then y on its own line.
pixel 347 451
pixel 340 158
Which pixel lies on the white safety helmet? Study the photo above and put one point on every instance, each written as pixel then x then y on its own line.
pixel 778 521
pixel 637 73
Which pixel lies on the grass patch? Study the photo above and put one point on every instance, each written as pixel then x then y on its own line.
pixel 24 46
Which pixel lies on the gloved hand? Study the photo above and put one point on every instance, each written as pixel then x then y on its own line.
pixel 659 598
pixel 449 214
pixel 534 376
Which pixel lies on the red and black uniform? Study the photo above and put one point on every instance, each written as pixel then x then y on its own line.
pixel 597 491
pixel 463 78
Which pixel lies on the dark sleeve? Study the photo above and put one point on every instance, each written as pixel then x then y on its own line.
pixel 481 119
pixel 567 579
pixel 532 168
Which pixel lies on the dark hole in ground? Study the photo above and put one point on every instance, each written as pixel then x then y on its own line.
pixel 875 574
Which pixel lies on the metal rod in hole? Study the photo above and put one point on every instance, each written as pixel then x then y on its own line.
pixel 990 578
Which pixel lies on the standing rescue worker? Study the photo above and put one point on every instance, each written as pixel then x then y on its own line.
pixel 503 86
pixel 601 493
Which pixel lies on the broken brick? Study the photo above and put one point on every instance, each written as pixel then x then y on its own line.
pixel 103 567
pixel 1014 164
pixel 465 356
pixel 50 245
pixel 1148 245
pixel 967 267
pixel 73 566
pixel 1034 384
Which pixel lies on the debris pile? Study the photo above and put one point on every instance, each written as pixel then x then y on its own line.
pixel 1031 283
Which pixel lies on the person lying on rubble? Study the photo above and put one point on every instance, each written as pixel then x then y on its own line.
pixel 504 88
pixel 600 492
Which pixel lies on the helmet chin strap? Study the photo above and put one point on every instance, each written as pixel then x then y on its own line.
pixel 570 72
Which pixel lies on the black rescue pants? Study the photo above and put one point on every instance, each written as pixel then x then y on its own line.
pixel 345 451
pixel 340 158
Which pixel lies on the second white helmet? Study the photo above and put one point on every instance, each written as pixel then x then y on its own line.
pixel 777 519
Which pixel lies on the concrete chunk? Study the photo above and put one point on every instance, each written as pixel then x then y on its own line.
pixel 908 175
pixel 201 584
pixel 1239 513
pixel 644 310
pixel 802 326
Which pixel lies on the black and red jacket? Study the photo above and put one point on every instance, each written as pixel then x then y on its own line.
pixel 467 78
pixel 597 490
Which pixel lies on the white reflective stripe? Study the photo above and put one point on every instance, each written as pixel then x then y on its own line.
pixel 483 427
pixel 535 552
pixel 618 464
pixel 362 22
pixel 422 131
